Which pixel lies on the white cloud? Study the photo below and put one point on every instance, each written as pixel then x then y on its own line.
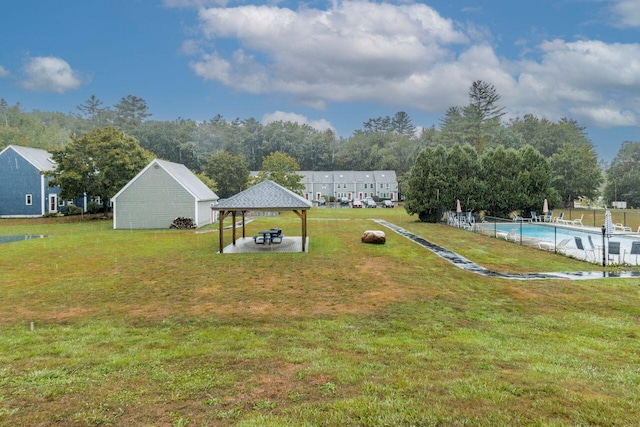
pixel 409 56
pixel 280 116
pixel 626 13
pixel 590 79
pixel 50 74
pixel 606 116
pixel 3 72
pixel 318 55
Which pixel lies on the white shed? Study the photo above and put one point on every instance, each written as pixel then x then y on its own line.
pixel 161 192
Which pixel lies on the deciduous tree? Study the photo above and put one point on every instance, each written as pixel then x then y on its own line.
pixel 428 189
pixel 281 169
pixel 231 173
pixel 99 163
pixel 576 173
pixel 623 176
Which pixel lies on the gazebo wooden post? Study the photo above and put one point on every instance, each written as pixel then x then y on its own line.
pixel 233 215
pixel 302 214
pixel 243 229
pixel 304 230
pixel 221 215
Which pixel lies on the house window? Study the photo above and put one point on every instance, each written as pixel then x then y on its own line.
pixel 28 199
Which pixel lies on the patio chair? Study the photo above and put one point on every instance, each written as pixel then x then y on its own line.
pixel 593 247
pixel 559 218
pixel 548 217
pixel 614 249
pixel 581 247
pixel 635 250
pixel 534 216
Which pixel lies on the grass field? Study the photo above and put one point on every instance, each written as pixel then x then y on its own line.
pixel 152 327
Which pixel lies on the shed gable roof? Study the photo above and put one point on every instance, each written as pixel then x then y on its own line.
pixel 182 175
pixel 188 180
pixel 39 158
pixel 264 195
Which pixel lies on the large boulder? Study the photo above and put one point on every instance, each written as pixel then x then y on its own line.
pixel 374 236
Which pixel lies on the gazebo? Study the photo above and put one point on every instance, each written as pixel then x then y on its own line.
pixel 265 196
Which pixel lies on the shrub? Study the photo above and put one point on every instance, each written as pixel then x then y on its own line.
pixel 73 210
pixel 93 207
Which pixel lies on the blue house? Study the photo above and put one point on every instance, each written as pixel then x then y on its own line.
pixel 24 191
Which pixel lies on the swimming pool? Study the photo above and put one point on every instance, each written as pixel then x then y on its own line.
pixel 537 234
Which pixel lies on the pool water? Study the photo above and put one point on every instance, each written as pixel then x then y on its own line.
pixel 547 233
pixel 9 239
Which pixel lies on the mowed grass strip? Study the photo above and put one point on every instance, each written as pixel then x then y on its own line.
pixel 152 327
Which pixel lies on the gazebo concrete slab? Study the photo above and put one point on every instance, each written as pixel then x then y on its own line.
pixel 246 245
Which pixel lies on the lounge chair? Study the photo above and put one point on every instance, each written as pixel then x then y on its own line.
pixel 563 246
pixel 549 246
pixel 621 227
pixel 512 236
pixel 548 217
pixel 559 218
pixel 578 221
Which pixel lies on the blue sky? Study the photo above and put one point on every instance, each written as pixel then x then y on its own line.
pixel 330 64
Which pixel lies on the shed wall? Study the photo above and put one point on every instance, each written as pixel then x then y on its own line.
pixel 153 200
pixel 204 213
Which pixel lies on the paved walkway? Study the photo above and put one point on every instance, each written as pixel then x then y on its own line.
pixel 465 264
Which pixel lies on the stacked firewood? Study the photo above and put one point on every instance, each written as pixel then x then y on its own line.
pixel 182 222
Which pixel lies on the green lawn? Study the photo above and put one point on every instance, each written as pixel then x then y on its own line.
pixel 152 327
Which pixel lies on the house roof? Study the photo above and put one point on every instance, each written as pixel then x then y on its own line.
pixel 39 158
pixel 347 176
pixel 266 195
pixel 187 179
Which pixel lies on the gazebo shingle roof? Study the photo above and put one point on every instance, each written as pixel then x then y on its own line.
pixel 266 195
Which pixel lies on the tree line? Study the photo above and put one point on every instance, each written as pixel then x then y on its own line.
pixel 391 142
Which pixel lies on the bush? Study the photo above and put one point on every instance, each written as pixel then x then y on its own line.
pixel 93 207
pixel 73 210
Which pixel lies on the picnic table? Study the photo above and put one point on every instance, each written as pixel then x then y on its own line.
pixel 273 235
